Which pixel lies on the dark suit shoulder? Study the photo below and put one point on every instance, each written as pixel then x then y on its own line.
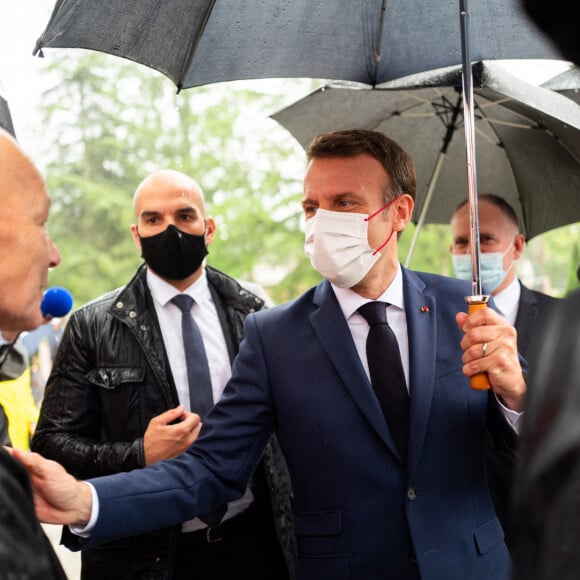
pixel 534 307
pixel 539 297
pixel 445 289
pixel 24 549
pixel 303 304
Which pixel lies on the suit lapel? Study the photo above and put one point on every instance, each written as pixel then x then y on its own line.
pixel 527 313
pixel 336 340
pixel 420 310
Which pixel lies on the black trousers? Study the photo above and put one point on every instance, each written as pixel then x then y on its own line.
pixel 237 549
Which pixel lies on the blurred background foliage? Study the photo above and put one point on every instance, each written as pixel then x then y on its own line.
pixel 112 123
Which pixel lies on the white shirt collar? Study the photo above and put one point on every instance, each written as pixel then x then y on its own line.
pixel 162 292
pixel 350 301
pixel 508 300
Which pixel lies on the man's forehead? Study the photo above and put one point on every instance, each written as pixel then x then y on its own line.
pixel 167 198
pixel 28 203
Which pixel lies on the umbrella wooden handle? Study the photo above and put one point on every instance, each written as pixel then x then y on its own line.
pixel 479 381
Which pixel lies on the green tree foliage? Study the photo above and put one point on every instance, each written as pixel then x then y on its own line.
pixel 112 122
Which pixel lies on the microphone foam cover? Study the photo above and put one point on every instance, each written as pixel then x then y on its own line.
pixel 57 302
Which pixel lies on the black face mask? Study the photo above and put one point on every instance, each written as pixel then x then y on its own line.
pixel 173 254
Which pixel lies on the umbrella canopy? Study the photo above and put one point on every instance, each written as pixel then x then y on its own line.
pixel 566 83
pixel 196 42
pixel 5 118
pixel 527 139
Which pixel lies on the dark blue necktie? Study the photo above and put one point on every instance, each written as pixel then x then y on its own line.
pixel 386 372
pixel 200 391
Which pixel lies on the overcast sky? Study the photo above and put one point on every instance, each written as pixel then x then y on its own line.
pixel 21 23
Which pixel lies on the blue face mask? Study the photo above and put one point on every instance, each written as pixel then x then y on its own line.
pixel 490 268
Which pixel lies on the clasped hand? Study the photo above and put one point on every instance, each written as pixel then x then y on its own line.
pixel 490 346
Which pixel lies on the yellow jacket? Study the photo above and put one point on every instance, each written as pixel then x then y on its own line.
pixel 20 408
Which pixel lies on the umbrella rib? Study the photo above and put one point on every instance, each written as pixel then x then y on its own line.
pixel 378 52
pixel 500 102
pixel 411 115
pixel 513 124
pixel 419 98
pixel 195 44
pixel 487 138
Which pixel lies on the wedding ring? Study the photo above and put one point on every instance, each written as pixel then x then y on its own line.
pixel 484 349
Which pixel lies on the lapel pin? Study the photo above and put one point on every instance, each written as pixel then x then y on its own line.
pixel 424 308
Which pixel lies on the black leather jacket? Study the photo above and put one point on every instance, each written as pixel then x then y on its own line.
pixel 110 377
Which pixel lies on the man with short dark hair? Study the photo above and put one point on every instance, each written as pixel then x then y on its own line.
pixel 501 245
pixel 388 476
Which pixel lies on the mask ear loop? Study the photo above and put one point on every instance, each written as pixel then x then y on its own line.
pixel 381 209
pixel 377 213
pixel 384 243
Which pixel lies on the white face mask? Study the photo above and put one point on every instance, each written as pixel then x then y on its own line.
pixel 337 245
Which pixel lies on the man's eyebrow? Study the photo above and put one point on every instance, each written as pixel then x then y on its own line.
pixel 147 213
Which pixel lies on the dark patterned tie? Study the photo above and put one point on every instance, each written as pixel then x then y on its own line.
pixel 386 371
pixel 200 391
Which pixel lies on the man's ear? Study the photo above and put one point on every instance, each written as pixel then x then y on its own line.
pixel 135 235
pixel 403 211
pixel 210 229
pixel 519 243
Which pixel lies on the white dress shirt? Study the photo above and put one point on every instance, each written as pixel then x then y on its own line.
pixel 508 301
pixel 205 314
pixel 350 302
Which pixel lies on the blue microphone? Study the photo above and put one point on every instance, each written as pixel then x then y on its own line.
pixel 57 302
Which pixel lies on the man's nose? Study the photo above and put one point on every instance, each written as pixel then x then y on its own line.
pixel 53 254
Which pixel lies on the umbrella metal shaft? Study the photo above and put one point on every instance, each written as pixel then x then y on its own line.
pixel 469 121
pixel 477 300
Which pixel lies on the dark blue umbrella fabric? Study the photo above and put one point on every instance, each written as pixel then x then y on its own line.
pixel 197 42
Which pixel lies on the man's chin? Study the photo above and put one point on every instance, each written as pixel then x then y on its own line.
pixel 33 321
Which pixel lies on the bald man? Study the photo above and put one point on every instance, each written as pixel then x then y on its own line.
pixel 118 397
pixel 26 250
pixel 501 245
pixel 26 254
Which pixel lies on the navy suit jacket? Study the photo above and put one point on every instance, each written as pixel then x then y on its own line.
pixel 533 309
pixel 358 507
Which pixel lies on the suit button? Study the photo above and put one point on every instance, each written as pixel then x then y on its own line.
pixel 411 494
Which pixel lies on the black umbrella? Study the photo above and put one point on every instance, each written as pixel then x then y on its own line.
pixel 567 83
pixel 196 42
pixel 528 139
pixel 5 118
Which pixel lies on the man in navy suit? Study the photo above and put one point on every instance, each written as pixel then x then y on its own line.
pixel 501 245
pixel 364 510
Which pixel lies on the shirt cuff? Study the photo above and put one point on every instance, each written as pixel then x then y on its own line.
pixel 85 531
pixel 514 418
